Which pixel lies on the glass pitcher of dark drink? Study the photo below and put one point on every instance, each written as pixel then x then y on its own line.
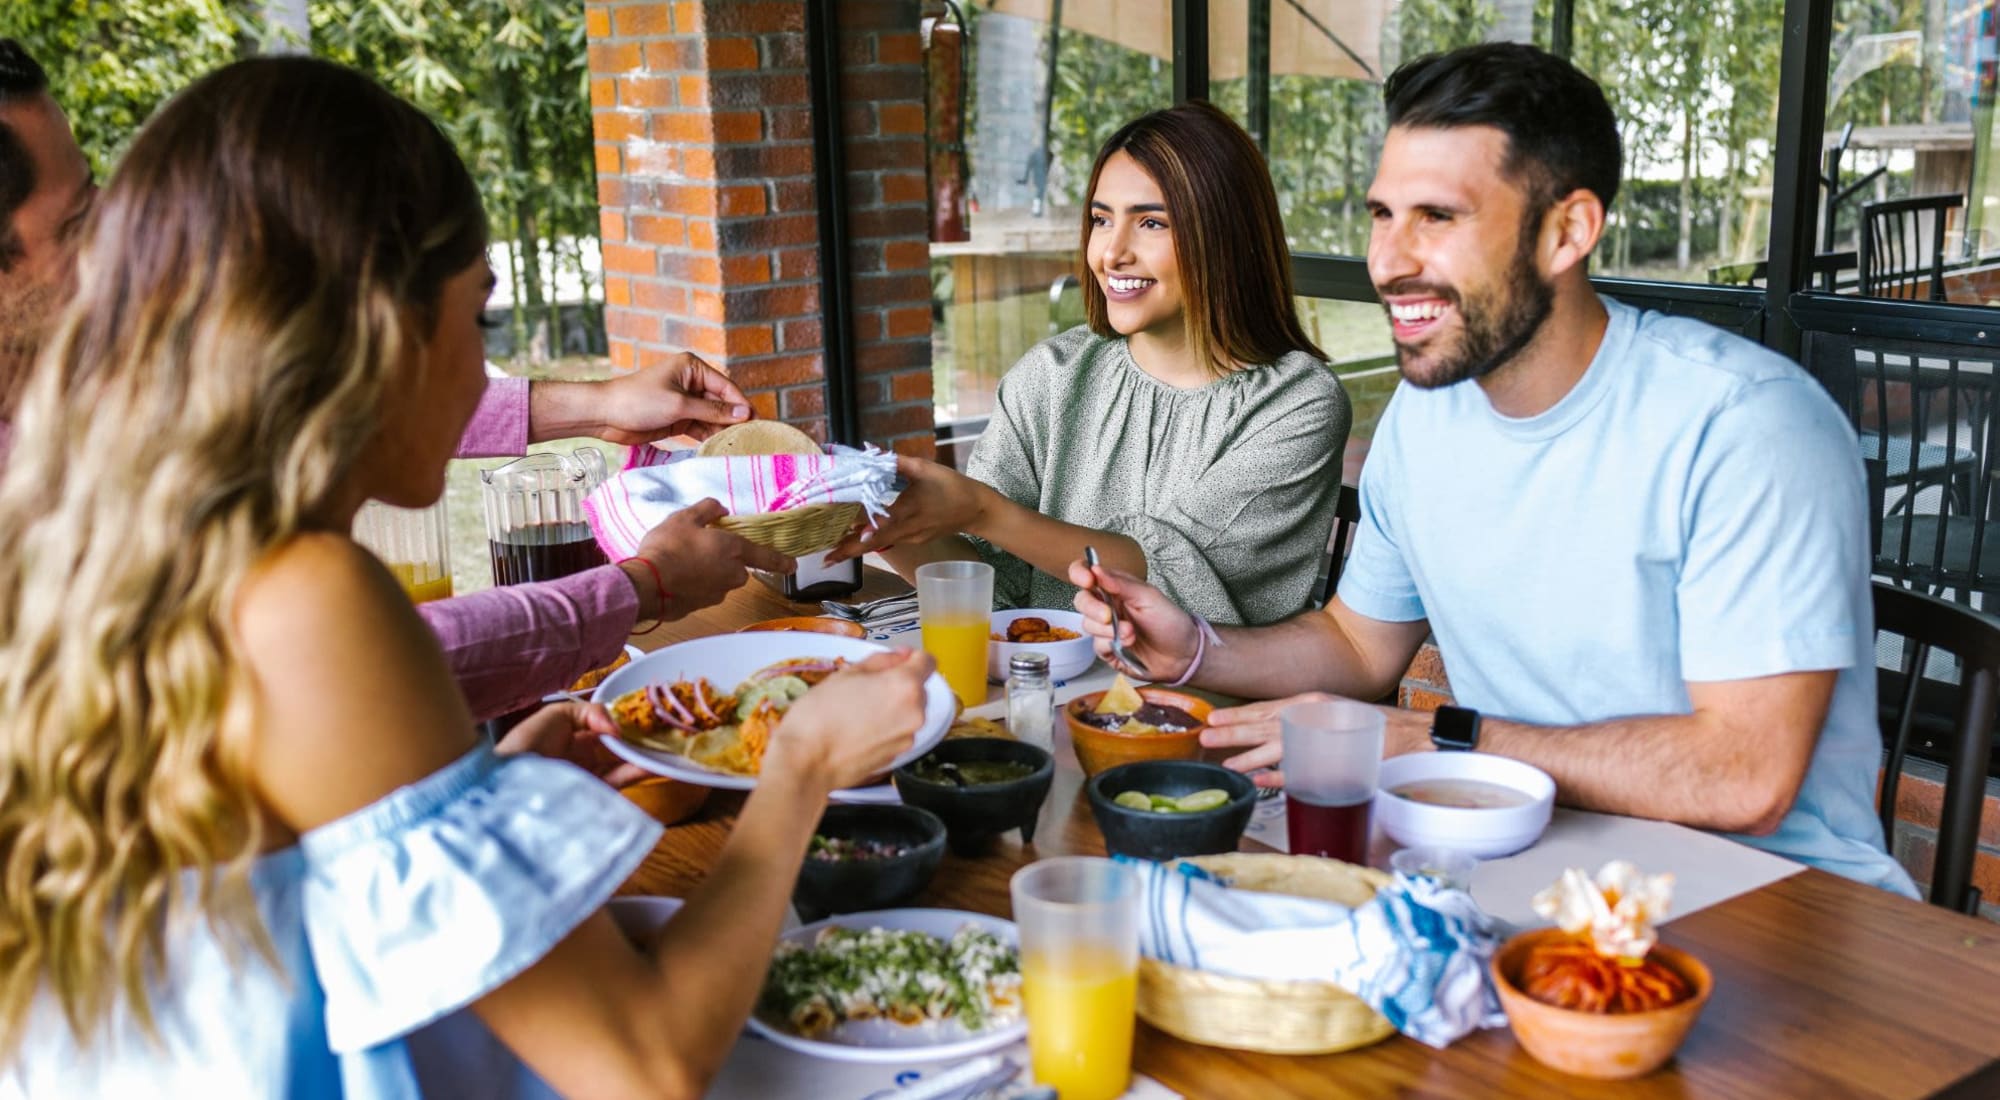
pixel 535 529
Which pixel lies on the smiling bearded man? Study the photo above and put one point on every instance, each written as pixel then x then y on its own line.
pixel 1640 542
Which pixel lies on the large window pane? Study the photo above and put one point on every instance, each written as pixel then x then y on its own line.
pixel 1305 78
pixel 1356 337
pixel 1694 84
pixel 1032 131
pixel 1911 207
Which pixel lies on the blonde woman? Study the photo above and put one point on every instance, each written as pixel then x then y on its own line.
pixel 250 842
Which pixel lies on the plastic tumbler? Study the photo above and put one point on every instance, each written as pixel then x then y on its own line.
pixel 1333 756
pixel 1079 923
pixel 955 610
pixel 412 542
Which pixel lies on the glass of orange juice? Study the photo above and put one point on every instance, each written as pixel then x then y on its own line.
pixel 1079 922
pixel 955 610
pixel 412 542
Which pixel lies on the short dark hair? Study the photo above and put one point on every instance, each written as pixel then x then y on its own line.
pixel 1561 134
pixel 21 76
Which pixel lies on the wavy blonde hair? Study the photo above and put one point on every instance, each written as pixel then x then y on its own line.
pixel 268 255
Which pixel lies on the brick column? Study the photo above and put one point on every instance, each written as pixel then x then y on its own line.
pixel 882 89
pixel 702 112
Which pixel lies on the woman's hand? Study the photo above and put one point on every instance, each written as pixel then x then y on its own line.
pixel 573 732
pixel 1150 627
pixel 939 502
pixel 851 725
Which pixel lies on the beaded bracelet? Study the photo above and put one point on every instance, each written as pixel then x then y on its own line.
pixel 1203 632
pixel 660 586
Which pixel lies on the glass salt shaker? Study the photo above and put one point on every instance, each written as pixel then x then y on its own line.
pixel 1031 700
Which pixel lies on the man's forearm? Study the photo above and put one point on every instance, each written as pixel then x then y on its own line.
pixel 1686 768
pixel 1307 652
pixel 562 410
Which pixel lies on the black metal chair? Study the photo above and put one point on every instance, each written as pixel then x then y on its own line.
pixel 1926 623
pixel 1927 416
pixel 1902 246
pixel 1346 513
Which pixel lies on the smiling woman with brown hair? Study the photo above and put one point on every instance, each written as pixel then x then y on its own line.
pixel 1191 431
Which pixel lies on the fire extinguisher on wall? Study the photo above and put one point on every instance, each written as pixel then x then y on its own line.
pixel 945 72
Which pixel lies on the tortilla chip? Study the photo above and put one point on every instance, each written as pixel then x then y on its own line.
pixel 1122 698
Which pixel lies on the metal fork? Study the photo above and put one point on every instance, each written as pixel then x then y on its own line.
pixel 1117 648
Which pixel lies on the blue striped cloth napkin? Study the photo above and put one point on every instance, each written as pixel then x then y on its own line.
pixel 1416 953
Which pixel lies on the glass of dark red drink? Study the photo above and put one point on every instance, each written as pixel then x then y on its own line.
pixel 1333 753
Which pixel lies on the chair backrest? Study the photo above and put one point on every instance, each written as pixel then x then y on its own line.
pixel 1928 416
pixel 1902 246
pixel 1346 513
pixel 1926 623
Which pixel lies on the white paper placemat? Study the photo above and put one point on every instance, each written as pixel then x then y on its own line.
pixel 759 1070
pixel 1707 869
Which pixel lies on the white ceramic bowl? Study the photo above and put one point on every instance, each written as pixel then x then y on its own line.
pixel 1067 660
pixel 1486 833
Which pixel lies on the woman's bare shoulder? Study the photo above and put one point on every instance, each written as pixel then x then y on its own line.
pixel 352 697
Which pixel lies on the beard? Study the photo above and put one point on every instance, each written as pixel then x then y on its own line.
pixel 1495 326
pixel 26 314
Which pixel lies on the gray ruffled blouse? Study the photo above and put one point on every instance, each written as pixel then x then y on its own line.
pixel 1230 488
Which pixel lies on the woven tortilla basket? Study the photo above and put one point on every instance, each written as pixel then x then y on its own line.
pixel 795 531
pixel 1259 1014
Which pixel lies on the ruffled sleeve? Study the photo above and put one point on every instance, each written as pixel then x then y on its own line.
pixel 448 888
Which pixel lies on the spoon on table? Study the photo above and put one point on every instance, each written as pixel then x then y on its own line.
pixel 1117 648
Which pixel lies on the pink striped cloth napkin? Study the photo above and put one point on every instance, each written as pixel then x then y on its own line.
pixel 655 484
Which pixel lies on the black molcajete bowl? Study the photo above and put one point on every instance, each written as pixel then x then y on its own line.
pixel 826 886
pixel 974 815
pixel 1147 834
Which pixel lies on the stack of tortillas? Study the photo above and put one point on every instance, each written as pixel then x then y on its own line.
pixel 759 437
pixel 794 531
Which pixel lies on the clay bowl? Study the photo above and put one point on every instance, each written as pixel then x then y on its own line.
pixel 1098 749
pixel 853 886
pixel 973 815
pixel 1151 834
pixel 1590 1044
pixel 811 624
pixel 668 801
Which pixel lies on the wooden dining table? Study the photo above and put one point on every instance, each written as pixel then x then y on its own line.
pixel 1823 987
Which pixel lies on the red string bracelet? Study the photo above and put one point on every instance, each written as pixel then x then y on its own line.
pixel 660 586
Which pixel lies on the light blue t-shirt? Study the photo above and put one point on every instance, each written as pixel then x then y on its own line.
pixel 1694 509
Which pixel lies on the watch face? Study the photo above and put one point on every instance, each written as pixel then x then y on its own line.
pixel 1455 728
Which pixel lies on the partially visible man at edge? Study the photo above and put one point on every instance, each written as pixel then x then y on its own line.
pixel 1641 542
pixel 507 646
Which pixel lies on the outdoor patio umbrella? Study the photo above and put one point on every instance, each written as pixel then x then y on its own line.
pixel 1335 38
pixel 1247 38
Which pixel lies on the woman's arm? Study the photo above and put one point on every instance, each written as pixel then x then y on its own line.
pixel 366 706
pixel 940 503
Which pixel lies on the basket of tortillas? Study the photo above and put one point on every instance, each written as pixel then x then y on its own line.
pixel 778 487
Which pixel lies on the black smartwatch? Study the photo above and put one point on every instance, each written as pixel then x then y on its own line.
pixel 1455 729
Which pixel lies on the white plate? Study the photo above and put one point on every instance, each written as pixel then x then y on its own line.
pixel 885 1040
pixel 725 660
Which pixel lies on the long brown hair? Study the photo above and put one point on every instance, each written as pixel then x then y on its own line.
pixel 1229 240
pixel 263 267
